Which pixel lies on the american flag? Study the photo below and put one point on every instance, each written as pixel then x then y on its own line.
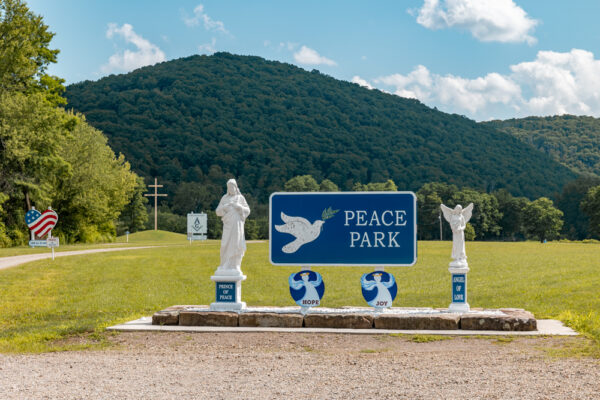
pixel 40 224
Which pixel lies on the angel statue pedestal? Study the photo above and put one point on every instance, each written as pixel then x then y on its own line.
pixel 228 277
pixel 458 218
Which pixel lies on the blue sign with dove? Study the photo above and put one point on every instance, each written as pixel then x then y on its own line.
pixel 343 228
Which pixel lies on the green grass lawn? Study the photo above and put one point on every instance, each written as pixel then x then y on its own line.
pixel 44 303
pixel 145 238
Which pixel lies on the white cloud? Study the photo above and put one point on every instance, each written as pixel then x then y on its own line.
pixel 553 84
pixel 357 79
pixel 209 23
pixel 487 20
pixel 146 53
pixel 291 46
pixel 561 82
pixel 208 48
pixel 308 56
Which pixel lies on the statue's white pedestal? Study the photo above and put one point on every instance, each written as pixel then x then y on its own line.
pixel 228 293
pixel 459 270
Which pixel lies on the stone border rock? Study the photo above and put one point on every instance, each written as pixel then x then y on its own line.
pixel 505 319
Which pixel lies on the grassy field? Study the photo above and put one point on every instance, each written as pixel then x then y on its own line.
pixel 43 304
pixel 146 238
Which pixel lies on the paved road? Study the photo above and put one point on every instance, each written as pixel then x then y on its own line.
pixel 7 262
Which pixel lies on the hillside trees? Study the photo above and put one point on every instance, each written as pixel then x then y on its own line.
pixel 571 140
pixel 200 118
pixel 49 157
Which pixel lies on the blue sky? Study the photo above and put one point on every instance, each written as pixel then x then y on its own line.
pixel 484 59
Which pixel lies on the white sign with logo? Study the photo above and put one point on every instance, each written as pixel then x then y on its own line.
pixel 197 226
pixel 52 242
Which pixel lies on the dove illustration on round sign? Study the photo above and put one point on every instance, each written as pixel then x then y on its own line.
pixel 379 289
pixel 304 231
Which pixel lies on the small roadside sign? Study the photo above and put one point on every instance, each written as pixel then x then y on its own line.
pixel 197 226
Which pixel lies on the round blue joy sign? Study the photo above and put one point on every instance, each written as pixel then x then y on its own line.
pixel 379 289
pixel 307 288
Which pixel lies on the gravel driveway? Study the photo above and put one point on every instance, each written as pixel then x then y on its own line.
pixel 302 366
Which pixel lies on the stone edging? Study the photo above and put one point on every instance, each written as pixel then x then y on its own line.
pixel 505 319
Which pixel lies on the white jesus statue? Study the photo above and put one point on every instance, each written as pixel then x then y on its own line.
pixel 233 210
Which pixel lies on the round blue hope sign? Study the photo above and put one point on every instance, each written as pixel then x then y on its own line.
pixel 379 289
pixel 307 288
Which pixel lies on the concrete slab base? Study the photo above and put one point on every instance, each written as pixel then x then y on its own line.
pixel 545 327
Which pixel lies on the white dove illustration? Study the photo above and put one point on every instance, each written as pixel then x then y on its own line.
pixel 304 231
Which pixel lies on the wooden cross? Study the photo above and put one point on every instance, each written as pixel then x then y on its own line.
pixel 155 195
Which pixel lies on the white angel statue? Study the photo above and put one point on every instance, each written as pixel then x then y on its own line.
pixel 383 289
pixel 311 296
pixel 458 219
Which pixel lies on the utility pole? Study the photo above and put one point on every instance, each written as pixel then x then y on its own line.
pixel 440 218
pixel 156 195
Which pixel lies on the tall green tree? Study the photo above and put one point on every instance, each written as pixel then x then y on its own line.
pixel 91 197
pixel 328 186
pixel 511 208
pixel 577 223
pixel 32 132
pixel 542 220
pixel 135 214
pixel 25 53
pixel 302 183
pixel 387 186
pixel 48 156
pixel 591 206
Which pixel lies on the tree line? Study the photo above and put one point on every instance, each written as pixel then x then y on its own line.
pixel 497 215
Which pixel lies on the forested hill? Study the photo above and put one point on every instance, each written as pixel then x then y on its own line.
pixel 206 118
pixel 573 141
